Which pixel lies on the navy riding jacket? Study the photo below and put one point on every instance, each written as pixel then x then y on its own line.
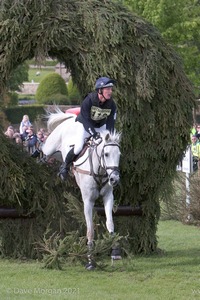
pixel 95 114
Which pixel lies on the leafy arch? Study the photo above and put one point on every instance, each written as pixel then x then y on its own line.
pixel 153 95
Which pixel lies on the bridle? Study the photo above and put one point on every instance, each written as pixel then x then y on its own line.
pixel 101 177
pixel 103 163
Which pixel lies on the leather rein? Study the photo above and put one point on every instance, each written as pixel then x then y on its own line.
pixel 101 178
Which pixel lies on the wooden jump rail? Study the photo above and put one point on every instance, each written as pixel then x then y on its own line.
pixel 12 213
pixel 123 210
pixel 126 210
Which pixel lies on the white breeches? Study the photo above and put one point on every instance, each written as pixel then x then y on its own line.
pixel 82 135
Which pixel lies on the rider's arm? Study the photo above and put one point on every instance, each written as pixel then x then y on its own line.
pixel 86 115
pixel 110 123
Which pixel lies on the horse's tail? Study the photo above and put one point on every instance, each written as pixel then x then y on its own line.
pixel 54 119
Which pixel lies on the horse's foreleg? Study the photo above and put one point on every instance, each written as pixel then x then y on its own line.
pixel 108 206
pixel 88 209
pixel 88 212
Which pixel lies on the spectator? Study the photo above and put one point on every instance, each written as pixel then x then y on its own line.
pixel 24 133
pixel 193 130
pixel 198 131
pixel 46 135
pixel 40 141
pixel 42 130
pixel 31 140
pixel 40 137
pixel 195 147
pixel 17 138
pixel 25 122
pixel 9 132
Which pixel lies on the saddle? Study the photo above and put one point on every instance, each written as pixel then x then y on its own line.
pixel 86 145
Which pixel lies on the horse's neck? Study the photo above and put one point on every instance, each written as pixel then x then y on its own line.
pixel 92 162
pixel 88 158
pixel 95 158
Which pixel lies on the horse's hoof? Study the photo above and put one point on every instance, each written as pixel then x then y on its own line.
pixel 90 267
pixel 116 253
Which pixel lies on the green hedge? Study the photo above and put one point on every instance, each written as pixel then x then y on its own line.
pixel 15 114
pixel 73 93
pixel 52 88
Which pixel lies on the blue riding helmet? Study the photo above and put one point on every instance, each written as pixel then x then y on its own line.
pixel 104 82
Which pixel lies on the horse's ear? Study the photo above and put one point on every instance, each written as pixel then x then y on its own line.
pixel 118 138
pixel 107 137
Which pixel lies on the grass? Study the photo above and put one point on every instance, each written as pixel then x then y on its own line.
pixel 172 274
pixel 43 72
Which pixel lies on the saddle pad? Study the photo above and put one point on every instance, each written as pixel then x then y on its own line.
pixel 74 110
pixel 82 158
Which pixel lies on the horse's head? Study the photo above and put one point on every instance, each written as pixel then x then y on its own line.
pixel 110 157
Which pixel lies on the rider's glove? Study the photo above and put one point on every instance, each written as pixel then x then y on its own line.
pixel 97 138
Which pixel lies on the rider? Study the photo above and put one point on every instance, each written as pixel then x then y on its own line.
pixel 98 111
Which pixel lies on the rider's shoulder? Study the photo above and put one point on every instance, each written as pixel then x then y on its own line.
pixel 90 97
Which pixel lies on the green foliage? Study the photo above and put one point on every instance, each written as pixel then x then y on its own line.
pixel 15 114
pixel 26 97
pixel 39 197
pixel 57 252
pixel 3 120
pixel 14 83
pixel 13 99
pixel 175 207
pixel 153 95
pixel 73 92
pixel 17 77
pixel 52 89
pixel 10 99
pixel 57 99
pixel 179 24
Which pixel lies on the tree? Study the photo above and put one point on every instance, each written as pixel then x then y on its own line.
pixel 52 89
pixel 73 92
pixel 178 21
pixel 17 77
pixel 14 83
pixel 154 96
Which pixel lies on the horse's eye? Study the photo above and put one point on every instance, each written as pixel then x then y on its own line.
pixel 106 154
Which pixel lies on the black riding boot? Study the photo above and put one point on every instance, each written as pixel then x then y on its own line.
pixel 65 167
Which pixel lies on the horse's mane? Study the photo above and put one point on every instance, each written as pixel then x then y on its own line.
pixel 56 118
pixel 113 137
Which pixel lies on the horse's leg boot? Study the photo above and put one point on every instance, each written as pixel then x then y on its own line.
pixel 116 253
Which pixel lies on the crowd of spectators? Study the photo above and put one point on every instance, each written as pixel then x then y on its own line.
pixel 27 136
pixel 32 140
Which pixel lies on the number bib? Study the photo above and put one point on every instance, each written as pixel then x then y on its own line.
pixel 98 113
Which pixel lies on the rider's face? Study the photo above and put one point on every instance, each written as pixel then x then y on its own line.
pixel 106 94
